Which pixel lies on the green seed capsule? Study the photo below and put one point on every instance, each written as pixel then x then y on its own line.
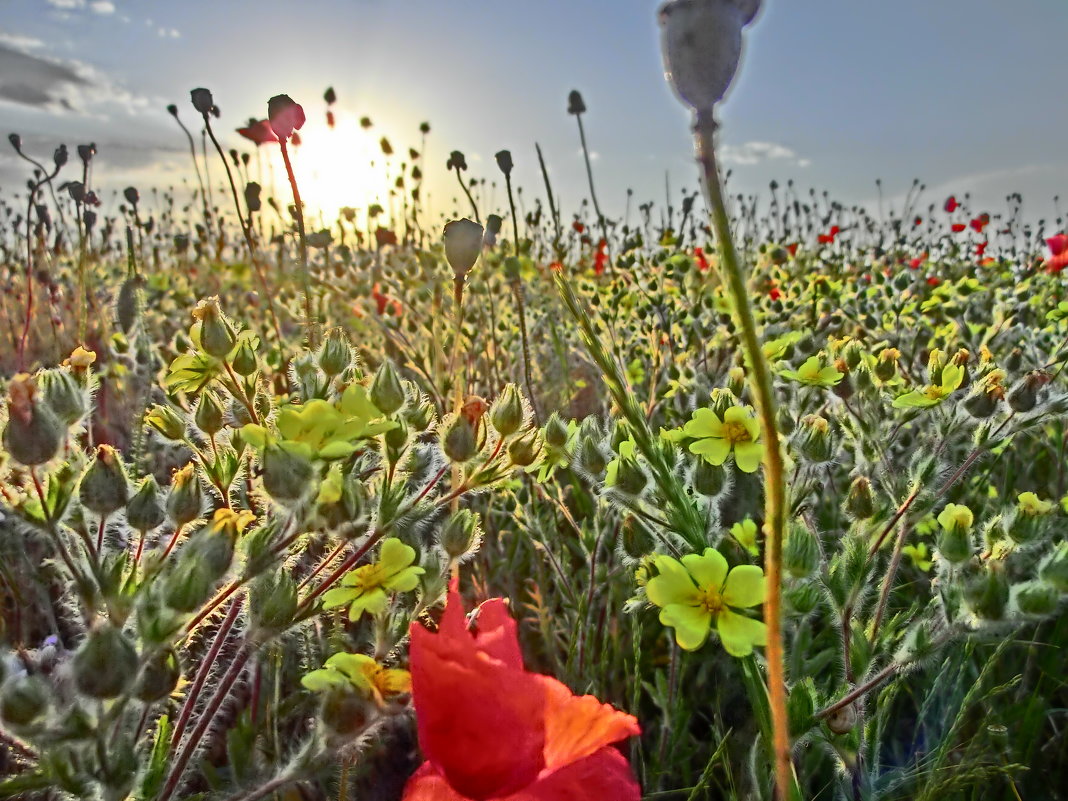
pixel 506 415
pixel 105 663
pixel 104 488
pixel 144 511
pixel 387 393
pixel 33 434
pixel 24 700
pixel 185 500
pixel 159 677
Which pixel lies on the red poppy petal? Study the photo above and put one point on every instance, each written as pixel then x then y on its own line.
pixel 577 726
pixel 958 227
pixel 426 784
pixel 1058 244
pixel 497 633
pixel 1057 263
pixel 604 775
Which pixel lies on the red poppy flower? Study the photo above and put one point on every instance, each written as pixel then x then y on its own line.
pixel 579 227
pixel 932 281
pixel 774 293
pixel 830 236
pixel 915 263
pixel 601 259
pixel 700 260
pixel 958 227
pixel 557 266
pixel 918 221
pixel 329 119
pixel 792 248
pixel 492 731
pixel 381 300
pixel 980 249
pixel 980 222
pixel 1058 244
pixel 259 131
pixel 1055 264
pixel 951 204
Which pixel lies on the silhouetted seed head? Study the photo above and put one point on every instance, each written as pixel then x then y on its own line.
pixel 285 115
pixel 504 161
pixel 86 152
pixel 387 148
pixel 173 110
pixel 575 104
pixel 16 142
pixel 424 127
pixel 76 190
pixel 60 156
pixel 133 197
pixel 365 122
pixel 456 161
pixel 330 96
pixel 202 101
pixel 252 196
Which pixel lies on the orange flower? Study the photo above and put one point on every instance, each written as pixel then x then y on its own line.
pixel 492 731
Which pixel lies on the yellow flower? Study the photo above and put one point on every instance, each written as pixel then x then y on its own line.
pixel 1031 505
pixel 738 431
pixel 361 672
pixel 956 517
pixel 81 358
pixel 364 589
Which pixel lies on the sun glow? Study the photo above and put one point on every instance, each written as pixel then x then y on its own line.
pixel 337 167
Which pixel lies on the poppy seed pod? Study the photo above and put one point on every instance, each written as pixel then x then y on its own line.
pixel 702 43
pixel 504 161
pixel 285 115
pixel 60 156
pixel 86 152
pixel 133 197
pixel 16 142
pixel 575 104
pixel 202 101
pixel 463 243
pixel 252 196
pixel 456 161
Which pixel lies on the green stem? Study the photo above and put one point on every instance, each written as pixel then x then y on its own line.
pixel 774 469
pixel 299 214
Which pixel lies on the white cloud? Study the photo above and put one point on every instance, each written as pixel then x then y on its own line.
pixel 39 81
pixel 18 42
pixel 168 33
pixel 66 5
pixel 751 153
pixel 102 7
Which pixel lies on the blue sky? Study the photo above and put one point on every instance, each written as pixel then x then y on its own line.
pixel 966 95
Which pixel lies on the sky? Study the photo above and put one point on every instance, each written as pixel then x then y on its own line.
pixel 965 95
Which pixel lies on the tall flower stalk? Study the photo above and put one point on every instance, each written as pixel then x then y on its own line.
pixel 702 44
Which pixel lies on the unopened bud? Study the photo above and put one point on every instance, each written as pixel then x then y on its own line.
pixel 33 434
pixel 159 676
pixel 216 333
pixel 103 488
pixel 184 501
pixel 209 414
pixel 590 457
pixel 988 594
pixel 245 361
pixel 273 601
pixel 24 700
pixel 387 393
pixel 709 479
pixel 507 413
pixel 555 431
pixel 860 502
pixel 630 478
pixel 954 541
pixel 886 363
pixel 459 440
pixel 463 243
pixel 65 395
pixel 524 450
pixel 167 422
pixel 335 356
pixel 461 535
pixel 286 472
pixel 105 664
pixel 127 305
pixel 1037 598
pixel 814 439
pixel 801 552
pixel 144 512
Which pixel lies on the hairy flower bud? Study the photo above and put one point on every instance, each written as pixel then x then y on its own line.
pixel 387 393
pixel 167 422
pixel 814 439
pixel 273 601
pixel 144 512
pixel 287 473
pixel 65 395
pixel 709 479
pixel 459 440
pixel 104 488
pixel 555 431
pixel 159 676
pixel 245 362
pixel 185 500
pixel 127 304
pixel 524 450
pixel 216 333
pixel 461 536
pixel 988 594
pixel 860 501
pixel 105 664
pixel 1036 598
pixel 954 541
pixel 507 413
pixel 801 552
pixel 335 356
pixel 33 434
pixel 24 700
pixel 630 478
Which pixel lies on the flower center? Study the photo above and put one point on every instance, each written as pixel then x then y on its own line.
pixel 934 392
pixel 710 600
pixel 736 433
pixel 368 577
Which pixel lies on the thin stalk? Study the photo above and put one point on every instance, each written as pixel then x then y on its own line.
pixel 549 191
pixel 593 195
pixel 463 186
pixel 774 478
pixel 517 290
pixel 303 243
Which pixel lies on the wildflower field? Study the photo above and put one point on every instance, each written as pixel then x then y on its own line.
pixel 721 502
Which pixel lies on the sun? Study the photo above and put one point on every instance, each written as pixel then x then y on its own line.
pixel 338 167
